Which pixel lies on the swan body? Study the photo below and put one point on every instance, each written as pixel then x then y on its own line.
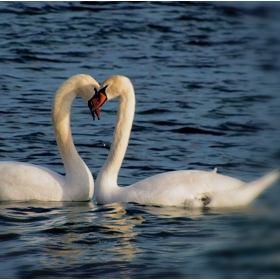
pixel 189 188
pixel 24 181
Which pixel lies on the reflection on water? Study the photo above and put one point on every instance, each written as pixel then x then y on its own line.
pixel 130 240
pixel 71 234
pixel 121 226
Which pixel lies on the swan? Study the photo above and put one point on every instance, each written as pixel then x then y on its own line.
pixel 23 181
pixel 187 188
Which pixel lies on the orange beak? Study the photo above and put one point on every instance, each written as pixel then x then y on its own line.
pixel 96 102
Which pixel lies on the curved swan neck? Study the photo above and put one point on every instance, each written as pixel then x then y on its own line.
pixel 126 108
pixel 61 122
pixel 78 175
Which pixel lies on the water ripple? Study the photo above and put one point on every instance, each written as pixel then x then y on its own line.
pixel 206 77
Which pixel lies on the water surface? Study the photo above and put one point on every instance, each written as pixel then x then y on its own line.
pixel 207 80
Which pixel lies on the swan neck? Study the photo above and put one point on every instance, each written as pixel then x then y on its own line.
pixel 126 108
pixel 77 175
pixel 61 123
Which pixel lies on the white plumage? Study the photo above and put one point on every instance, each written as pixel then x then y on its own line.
pixel 23 181
pixel 178 188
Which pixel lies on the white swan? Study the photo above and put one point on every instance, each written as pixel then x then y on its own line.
pixel 178 188
pixel 23 181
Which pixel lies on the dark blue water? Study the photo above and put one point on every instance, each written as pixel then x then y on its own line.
pixel 207 83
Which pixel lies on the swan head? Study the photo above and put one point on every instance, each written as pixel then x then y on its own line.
pixel 111 88
pixel 85 86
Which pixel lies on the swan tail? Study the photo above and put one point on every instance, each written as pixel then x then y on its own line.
pixel 245 194
pixel 262 183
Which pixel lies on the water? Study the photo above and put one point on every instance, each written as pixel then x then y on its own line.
pixel 207 80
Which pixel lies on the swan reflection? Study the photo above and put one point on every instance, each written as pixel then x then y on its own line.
pixel 120 227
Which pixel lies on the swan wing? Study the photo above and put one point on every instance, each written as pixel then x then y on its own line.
pixel 24 181
pixel 189 188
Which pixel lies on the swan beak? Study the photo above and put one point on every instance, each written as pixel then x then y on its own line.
pixel 95 103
